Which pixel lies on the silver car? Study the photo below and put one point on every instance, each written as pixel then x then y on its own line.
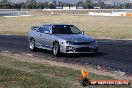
pixel 61 38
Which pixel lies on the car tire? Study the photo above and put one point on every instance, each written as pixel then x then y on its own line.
pixel 56 49
pixel 96 51
pixel 32 45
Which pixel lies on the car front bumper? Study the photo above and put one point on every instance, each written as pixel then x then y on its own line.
pixel 78 48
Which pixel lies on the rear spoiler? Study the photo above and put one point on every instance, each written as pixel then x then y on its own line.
pixel 35 27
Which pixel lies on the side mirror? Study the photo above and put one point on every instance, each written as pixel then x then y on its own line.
pixel 83 32
pixel 47 32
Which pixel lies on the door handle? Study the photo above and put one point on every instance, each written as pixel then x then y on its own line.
pixel 40 35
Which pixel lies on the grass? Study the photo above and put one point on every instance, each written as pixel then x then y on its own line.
pixel 15 74
pixel 18 74
pixel 111 27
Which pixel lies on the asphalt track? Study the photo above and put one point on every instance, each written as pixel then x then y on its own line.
pixel 114 54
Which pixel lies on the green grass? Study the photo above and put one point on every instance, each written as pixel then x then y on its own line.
pixel 111 27
pixel 18 74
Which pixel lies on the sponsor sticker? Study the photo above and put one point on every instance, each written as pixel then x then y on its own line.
pixel 86 81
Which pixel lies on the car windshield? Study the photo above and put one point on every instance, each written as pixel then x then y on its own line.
pixel 65 29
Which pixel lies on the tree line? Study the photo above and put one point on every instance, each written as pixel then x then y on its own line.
pixel 88 4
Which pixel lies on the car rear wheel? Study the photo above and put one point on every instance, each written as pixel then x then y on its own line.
pixel 32 45
pixel 95 52
pixel 56 49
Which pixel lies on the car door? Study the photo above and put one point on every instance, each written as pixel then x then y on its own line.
pixel 49 37
pixel 42 38
pixel 37 37
pixel 45 38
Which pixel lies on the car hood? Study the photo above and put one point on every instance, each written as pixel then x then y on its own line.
pixel 75 37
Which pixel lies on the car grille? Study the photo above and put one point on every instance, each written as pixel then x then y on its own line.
pixel 84 49
pixel 81 43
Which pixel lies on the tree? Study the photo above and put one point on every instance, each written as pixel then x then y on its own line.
pixel 54 2
pixel 30 4
pixel 46 5
pixel 101 4
pixel 4 4
pixel 87 4
pixel 4 1
pixel 128 6
pixel 52 6
pixel 60 3
pixel 42 5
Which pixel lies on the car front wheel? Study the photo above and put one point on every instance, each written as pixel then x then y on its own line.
pixel 32 44
pixel 56 49
pixel 95 51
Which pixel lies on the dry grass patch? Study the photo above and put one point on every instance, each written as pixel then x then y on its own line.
pixel 112 27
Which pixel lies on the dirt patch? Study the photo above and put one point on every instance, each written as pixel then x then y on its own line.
pixel 32 59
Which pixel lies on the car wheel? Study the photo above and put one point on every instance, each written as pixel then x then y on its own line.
pixel 32 45
pixel 56 49
pixel 96 51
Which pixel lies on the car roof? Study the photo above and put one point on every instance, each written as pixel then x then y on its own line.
pixel 56 24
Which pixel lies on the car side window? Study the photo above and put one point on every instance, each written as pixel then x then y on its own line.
pixel 75 30
pixel 47 28
pixel 43 29
pixel 40 29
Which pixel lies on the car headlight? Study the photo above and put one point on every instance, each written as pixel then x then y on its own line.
pixel 94 43
pixel 69 42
